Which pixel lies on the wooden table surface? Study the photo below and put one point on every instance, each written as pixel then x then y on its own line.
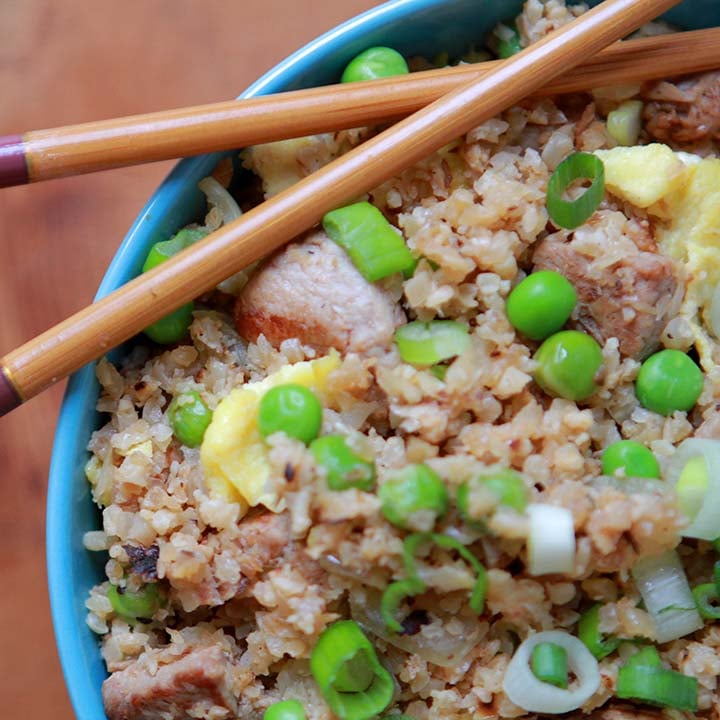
pixel 61 63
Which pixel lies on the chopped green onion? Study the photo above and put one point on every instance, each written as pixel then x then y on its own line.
pixel 716 575
pixel 509 43
pixel 625 122
pixel 343 649
pixel 428 343
pixel 647 656
pixel 551 539
pixel 666 593
pixel 524 689
pixel 706 521
pixel 285 710
pixel 589 633
pixel 412 585
pixel 439 371
pixel 372 243
pixel 343 468
pixel 658 686
pixel 705 595
pixel 549 664
pixel 162 251
pixel 142 604
pixel 569 214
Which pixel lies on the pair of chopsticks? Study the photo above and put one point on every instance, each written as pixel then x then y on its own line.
pixel 466 99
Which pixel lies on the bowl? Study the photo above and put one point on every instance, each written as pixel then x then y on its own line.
pixel 414 27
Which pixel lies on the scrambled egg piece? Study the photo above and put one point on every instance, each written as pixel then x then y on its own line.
pixel 233 453
pixel 683 192
pixel 642 175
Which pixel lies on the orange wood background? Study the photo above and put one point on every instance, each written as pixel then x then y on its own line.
pixel 67 62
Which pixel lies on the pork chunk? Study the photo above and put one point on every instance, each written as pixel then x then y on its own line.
pixel 684 112
pixel 188 687
pixel 631 300
pixel 312 291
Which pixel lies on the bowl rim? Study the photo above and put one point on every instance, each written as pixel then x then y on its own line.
pixel 59 546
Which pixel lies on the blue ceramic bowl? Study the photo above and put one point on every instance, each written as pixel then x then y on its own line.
pixel 414 27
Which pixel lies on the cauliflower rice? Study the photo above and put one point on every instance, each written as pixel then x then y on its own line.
pixel 251 591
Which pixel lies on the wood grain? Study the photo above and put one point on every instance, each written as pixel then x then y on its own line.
pixel 89 333
pixel 70 62
pixel 120 142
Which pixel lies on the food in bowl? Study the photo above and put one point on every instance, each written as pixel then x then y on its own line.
pixel 459 464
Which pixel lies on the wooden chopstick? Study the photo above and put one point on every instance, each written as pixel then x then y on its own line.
pixel 45 154
pixel 91 332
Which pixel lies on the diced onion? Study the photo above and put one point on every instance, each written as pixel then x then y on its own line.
pixel 551 540
pixel 706 523
pixel 220 198
pixel 625 122
pixel 524 689
pixel 666 593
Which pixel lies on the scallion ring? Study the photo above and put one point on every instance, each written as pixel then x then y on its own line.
pixel 342 661
pixel 705 598
pixel 412 584
pixel 570 214
pixel 421 343
pixel 589 633
pixel 531 694
pixel 666 593
pixel 654 684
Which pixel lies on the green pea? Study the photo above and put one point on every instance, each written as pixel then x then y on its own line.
pixel 541 304
pixel 344 469
pixel 668 381
pixel 507 485
pixel 285 710
pixel 189 418
pixel 567 364
pixel 510 45
pixel 373 63
pixel 636 459
pixel 142 604
pixel 414 489
pixel 173 327
pixel 292 409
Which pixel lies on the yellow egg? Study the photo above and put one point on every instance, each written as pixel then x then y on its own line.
pixel 234 455
pixel 643 174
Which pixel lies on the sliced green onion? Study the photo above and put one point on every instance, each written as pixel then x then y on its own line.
pixel 625 122
pixel 140 605
pixel 697 484
pixel 531 694
pixel 372 243
pixel 162 251
pixel 589 633
pixel 716 575
pixel 569 214
pixel 439 371
pixel 666 593
pixel 549 664
pixel 647 656
pixel 509 43
pixel 341 643
pixel 551 539
pixel 658 686
pixel 705 597
pixel 428 343
pixel 412 584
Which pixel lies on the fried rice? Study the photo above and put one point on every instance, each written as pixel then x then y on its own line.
pixel 247 592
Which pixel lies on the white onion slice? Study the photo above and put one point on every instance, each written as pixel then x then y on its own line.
pixel 533 695
pixel 666 593
pixel 551 539
pixel 218 196
pixel 706 524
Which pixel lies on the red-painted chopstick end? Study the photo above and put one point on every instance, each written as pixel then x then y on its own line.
pixel 13 165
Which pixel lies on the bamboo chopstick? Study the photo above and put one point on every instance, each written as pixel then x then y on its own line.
pixel 45 154
pixel 88 334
